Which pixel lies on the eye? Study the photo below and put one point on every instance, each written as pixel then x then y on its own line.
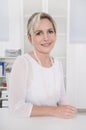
pixel 38 33
pixel 51 31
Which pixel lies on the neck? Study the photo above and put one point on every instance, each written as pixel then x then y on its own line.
pixel 43 59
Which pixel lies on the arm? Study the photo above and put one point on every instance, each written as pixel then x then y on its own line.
pixel 60 111
pixel 17 89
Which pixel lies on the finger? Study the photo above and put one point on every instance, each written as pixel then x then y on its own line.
pixel 69 115
pixel 73 109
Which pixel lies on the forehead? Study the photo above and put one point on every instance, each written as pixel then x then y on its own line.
pixel 44 24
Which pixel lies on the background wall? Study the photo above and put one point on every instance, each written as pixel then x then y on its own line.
pixel 76 53
pixel 76 74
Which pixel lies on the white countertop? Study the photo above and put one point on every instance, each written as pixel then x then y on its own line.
pixel 7 122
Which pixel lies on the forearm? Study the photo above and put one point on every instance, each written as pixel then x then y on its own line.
pixel 56 111
pixel 43 111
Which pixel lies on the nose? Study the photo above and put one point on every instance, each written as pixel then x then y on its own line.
pixel 46 37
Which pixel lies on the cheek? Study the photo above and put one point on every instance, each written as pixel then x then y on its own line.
pixel 37 41
pixel 54 38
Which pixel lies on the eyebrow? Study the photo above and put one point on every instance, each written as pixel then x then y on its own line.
pixel 42 30
pixel 37 31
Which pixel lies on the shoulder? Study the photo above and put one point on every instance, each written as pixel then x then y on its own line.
pixel 57 62
pixel 21 60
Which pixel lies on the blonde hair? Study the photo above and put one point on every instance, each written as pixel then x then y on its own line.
pixel 35 19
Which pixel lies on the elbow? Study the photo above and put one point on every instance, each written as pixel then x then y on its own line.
pixel 21 110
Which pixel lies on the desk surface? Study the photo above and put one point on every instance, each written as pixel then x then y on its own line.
pixel 7 122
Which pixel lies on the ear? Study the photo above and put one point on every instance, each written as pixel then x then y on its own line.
pixel 30 38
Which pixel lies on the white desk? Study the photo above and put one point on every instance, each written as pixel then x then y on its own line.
pixel 7 122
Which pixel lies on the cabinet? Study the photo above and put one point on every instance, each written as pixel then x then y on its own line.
pixel 58 10
pixel 11 30
pixel 5 69
pixel 77 30
pixel 11 38
pixel 76 53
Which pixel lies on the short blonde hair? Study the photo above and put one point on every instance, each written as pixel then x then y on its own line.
pixel 35 19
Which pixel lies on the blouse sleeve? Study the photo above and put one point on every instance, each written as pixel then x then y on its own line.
pixel 18 88
pixel 63 99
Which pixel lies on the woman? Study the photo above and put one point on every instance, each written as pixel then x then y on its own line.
pixel 37 83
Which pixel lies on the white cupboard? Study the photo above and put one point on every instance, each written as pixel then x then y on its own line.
pixel 76 53
pixel 11 38
pixel 11 33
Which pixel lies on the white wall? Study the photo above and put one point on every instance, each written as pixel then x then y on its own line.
pixel 76 54
pixel 76 74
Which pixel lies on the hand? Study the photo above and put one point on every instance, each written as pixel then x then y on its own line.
pixel 65 111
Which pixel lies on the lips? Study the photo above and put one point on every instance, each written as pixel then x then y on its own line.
pixel 46 44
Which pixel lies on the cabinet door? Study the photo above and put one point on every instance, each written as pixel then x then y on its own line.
pixel 32 6
pixel 10 25
pixel 57 7
pixel 76 54
pixel 4 21
pixel 77 21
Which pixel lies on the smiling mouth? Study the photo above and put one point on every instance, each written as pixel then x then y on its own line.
pixel 46 44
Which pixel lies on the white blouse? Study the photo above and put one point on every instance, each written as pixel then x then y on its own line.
pixel 31 84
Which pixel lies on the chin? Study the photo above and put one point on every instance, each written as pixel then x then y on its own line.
pixel 46 51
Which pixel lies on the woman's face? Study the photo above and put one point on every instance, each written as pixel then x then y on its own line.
pixel 44 37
